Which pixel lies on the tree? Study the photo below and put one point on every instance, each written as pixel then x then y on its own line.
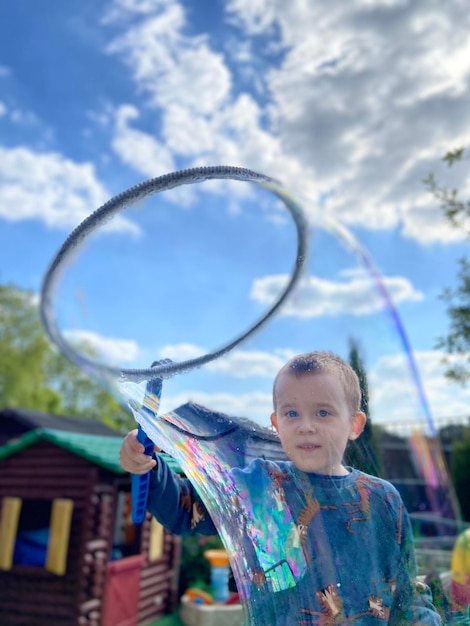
pixel 34 375
pixel 460 468
pixel 457 341
pixel 455 209
pixel 363 453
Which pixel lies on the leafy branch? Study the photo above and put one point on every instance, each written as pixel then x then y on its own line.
pixel 457 341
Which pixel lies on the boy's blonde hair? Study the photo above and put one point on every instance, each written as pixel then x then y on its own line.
pixel 331 363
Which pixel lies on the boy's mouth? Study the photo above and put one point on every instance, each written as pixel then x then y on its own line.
pixel 308 446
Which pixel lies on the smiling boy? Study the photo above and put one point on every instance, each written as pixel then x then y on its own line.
pixel 332 545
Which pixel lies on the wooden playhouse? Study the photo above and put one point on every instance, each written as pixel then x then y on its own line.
pixel 69 553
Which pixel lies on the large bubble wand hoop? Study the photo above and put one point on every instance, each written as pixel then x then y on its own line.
pixel 192 450
pixel 130 197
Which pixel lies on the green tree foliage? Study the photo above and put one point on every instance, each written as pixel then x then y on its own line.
pixel 455 209
pixel 23 351
pixel 34 375
pixel 195 569
pixel 460 468
pixel 457 340
pixel 363 452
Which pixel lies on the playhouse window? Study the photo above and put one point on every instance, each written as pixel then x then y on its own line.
pixel 35 533
pixel 32 536
pixel 127 535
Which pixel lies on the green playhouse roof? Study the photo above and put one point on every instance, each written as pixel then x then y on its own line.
pixel 102 450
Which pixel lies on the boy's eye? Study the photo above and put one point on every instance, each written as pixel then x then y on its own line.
pixel 291 413
pixel 323 413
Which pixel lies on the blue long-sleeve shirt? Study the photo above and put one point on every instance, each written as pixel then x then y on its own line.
pixel 314 549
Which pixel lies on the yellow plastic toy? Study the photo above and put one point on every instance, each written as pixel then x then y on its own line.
pixel 460 571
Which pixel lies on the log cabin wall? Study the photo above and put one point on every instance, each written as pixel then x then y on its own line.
pixel 159 577
pixel 94 550
pixel 33 596
pixel 30 595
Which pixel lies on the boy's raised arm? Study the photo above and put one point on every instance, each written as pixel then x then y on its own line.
pixel 174 502
pixel 172 499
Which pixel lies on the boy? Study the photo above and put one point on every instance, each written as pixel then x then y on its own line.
pixel 329 544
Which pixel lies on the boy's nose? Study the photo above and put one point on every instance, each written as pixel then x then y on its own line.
pixel 307 425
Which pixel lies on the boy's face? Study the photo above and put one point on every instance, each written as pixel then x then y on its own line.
pixel 314 422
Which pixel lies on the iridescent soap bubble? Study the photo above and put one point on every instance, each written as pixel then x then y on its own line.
pixel 260 530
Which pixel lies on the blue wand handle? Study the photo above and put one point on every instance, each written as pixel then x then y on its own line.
pixel 140 482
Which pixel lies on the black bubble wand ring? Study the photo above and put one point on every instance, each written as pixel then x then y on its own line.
pixel 130 197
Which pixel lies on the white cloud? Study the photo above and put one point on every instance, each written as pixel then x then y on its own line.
pixel 187 134
pixel 234 135
pixel 123 9
pixel 367 98
pixel 181 351
pixel 423 222
pixel 239 363
pixel 49 187
pixel 255 16
pixel 114 350
pixel 164 62
pixel 137 149
pixel 249 364
pixel 255 406
pixel 316 297
pixel 383 3
pixel 395 395
pixel 370 96
pixel 4 71
pixel 3 109
pixel 201 141
pixel 204 124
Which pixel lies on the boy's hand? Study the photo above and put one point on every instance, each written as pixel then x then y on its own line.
pixel 132 457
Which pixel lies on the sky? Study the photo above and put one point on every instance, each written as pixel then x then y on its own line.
pixel 349 105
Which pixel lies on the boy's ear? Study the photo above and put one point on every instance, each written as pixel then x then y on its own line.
pixel 274 420
pixel 357 426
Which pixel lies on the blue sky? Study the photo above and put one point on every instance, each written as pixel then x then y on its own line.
pixel 349 105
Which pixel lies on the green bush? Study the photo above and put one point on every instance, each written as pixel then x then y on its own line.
pixel 195 569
